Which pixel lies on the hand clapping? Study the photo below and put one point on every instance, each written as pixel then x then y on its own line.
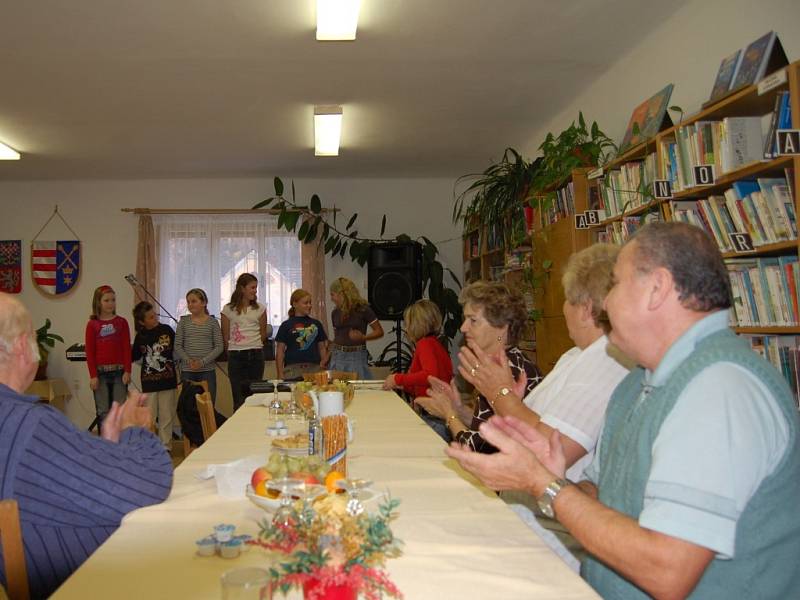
pixel 134 412
pixel 489 373
pixel 526 460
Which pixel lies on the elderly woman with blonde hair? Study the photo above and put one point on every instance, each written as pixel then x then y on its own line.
pixel 494 318
pixel 572 399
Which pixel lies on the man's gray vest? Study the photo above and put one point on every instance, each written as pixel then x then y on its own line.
pixel 767 550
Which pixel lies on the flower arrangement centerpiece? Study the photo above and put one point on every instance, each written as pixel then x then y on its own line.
pixel 334 549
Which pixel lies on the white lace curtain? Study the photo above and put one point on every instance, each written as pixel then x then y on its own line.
pixel 211 251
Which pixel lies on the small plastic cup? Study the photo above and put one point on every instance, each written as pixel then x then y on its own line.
pixel 207 546
pixel 231 548
pixel 224 532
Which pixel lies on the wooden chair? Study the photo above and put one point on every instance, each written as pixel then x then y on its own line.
pixel 13 552
pixel 344 375
pixel 187 446
pixel 206 410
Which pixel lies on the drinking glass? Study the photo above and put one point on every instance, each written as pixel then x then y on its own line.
pixel 287 487
pixel 275 407
pixel 247 583
pixel 353 487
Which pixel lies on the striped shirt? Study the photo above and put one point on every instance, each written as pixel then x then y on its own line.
pixel 73 488
pixel 203 342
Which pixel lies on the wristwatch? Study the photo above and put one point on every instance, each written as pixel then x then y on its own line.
pixel 545 501
pixel 501 393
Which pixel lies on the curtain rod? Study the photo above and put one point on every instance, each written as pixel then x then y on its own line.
pixel 209 211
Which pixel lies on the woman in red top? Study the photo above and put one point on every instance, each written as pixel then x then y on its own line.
pixel 108 351
pixel 423 323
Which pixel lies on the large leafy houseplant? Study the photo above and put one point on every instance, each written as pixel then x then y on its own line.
pixel 496 197
pixel 313 224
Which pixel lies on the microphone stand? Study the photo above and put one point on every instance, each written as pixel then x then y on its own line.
pixel 131 279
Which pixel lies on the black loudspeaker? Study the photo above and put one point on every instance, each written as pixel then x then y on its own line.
pixel 394 278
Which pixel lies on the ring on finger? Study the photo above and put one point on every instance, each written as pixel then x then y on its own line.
pixel 473 371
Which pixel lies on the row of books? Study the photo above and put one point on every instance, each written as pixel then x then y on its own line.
pixel 781 119
pixel 560 205
pixel 783 351
pixel 765 291
pixel 618 232
pixel 728 145
pixel 627 188
pixel 763 208
pixel 472 245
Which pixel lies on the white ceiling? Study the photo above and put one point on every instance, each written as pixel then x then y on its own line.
pixel 226 88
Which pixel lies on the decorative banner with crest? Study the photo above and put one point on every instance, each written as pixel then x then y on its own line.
pixel 55 266
pixel 11 266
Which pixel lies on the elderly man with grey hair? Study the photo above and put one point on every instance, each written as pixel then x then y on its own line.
pixel 72 487
pixel 694 485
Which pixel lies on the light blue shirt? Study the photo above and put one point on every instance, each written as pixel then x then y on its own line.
pixel 724 435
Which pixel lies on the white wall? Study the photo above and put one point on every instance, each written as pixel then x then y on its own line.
pixel 686 50
pixel 108 236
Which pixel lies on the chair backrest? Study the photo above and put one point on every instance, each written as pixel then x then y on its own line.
pixel 207 419
pixel 13 553
pixel 187 445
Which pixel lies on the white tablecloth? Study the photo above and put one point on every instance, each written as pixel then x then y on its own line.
pixel 460 540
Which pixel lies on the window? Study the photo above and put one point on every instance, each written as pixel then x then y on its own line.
pixel 211 251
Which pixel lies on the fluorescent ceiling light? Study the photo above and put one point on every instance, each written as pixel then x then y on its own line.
pixel 327 130
pixel 7 153
pixel 337 19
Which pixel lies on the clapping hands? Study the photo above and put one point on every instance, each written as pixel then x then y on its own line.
pixel 134 412
pixel 526 460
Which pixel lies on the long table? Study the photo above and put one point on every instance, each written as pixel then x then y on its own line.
pixel 460 540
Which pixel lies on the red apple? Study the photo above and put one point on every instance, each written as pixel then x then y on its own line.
pixel 259 475
pixel 304 476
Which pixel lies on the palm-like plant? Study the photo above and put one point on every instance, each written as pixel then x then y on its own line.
pixel 496 196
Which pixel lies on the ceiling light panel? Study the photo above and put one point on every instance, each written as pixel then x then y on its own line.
pixel 8 153
pixel 337 19
pixel 327 130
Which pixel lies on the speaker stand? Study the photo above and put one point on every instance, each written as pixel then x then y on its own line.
pixel 398 348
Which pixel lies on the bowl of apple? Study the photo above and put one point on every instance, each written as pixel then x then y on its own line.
pixel 308 470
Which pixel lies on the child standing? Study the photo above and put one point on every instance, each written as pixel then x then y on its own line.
pixel 108 351
pixel 244 331
pixel 301 346
pixel 350 320
pixel 198 342
pixel 153 345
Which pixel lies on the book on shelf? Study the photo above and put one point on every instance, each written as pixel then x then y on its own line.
pixel 627 187
pixel 725 75
pixel 783 351
pixel 765 291
pixel 648 118
pixel 780 118
pixel 762 56
pixel 763 208
pixel 559 204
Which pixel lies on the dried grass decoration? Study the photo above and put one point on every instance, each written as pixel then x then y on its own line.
pixel 330 547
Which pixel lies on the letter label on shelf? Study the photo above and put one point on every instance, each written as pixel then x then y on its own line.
pixel 788 142
pixel 704 174
pixel 742 242
pixel 662 189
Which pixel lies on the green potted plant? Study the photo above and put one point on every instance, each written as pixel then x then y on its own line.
pixel 496 196
pixel 46 341
pixel 576 146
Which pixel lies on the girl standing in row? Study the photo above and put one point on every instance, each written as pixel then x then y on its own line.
pixel 244 331
pixel 350 320
pixel 108 351
pixel 301 341
pixel 198 342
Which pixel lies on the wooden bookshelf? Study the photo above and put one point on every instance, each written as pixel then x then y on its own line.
pixel 555 242
pixel 746 102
